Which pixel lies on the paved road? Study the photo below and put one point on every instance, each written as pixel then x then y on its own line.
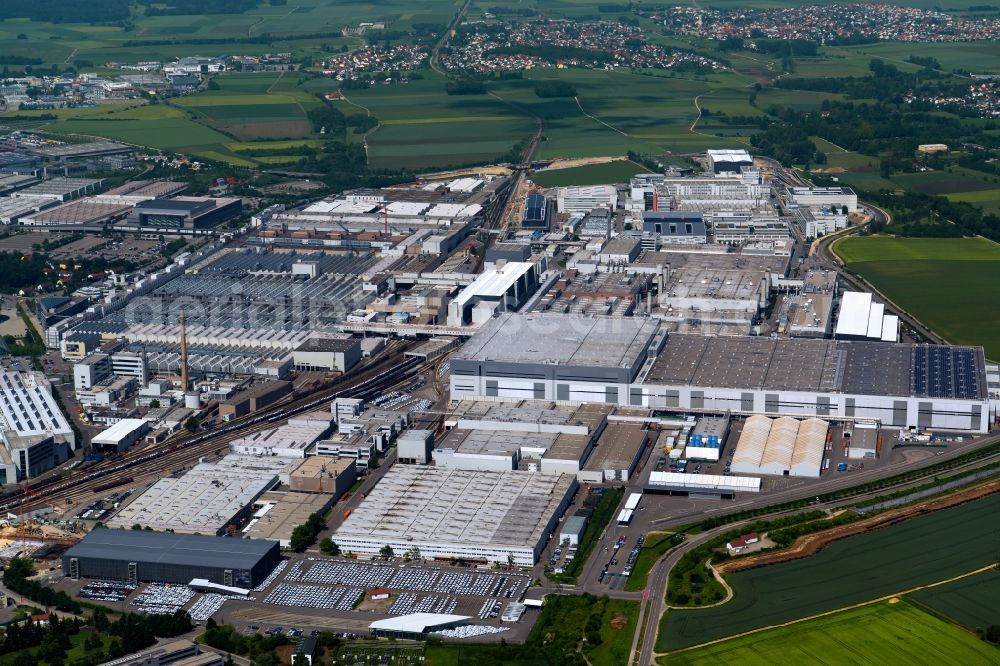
pixel 659 574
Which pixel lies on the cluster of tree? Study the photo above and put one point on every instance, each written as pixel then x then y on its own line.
pixel 306 533
pixel 326 117
pixel 136 632
pixel 465 87
pixel 930 62
pixel 16 578
pixel 782 48
pixel 361 122
pixel 885 84
pixel 890 132
pixel 328 547
pixel 197 7
pixel 52 641
pixel 18 271
pixel 67 11
pixel 555 88
pixel 263 38
pixel 501 10
pixel 259 649
pixel 786 143
pixel 7 59
pixel 173 247
pixel 919 214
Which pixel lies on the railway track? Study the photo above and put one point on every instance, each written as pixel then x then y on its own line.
pixel 159 460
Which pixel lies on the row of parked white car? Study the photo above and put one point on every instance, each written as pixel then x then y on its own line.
pixel 314 596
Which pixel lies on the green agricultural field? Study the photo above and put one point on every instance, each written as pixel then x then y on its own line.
pixel 949 181
pixel 620 111
pixel 970 601
pixel 880 248
pixel 799 100
pixel 619 171
pixel 981 56
pixel 881 633
pixel 158 127
pixel 988 200
pixel 163 37
pixel 847 572
pixel 422 126
pixel 941 281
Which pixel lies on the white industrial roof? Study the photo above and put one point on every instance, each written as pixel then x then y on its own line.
pixel 776 446
pixel 728 155
pixel 875 321
pixel 417 622
pixel 465 184
pixel 711 481
pixel 753 441
pixel 119 431
pixel 406 207
pixel 494 283
pixel 890 328
pixel 855 307
pixel 446 210
pixel 205 584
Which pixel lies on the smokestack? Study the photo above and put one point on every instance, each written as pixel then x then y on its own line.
pixel 184 354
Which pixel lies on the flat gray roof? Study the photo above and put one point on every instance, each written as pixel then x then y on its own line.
pixel 556 339
pixel 823 366
pixel 176 549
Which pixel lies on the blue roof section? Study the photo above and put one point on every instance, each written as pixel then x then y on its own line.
pixel 535 208
pixel 674 223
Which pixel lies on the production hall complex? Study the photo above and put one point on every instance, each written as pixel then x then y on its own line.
pixel 632 362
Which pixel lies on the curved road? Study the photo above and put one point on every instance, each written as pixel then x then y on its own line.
pixel 656 590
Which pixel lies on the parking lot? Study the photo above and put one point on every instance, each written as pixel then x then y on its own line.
pixel 341 585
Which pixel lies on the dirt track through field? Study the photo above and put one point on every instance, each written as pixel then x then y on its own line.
pixel 810 544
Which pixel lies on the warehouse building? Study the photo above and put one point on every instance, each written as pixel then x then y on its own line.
pixel 633 362
pixel 121 435
pixel 322 474
pixel 138 556
pixel 675 227
pixel 536 212
pixel 781 447
pixel 80 215
pixel 815 197
pixel 414 447
pixel 861 318
pixel 617 454
pixel 209 499
pixel 720 161
pixel 60 189
pixel 257 397
pixel 36 436
pixel 330 354
pixel 458 514
pixel 501 289
pixel 585 198
pixel 184 213
pixel 292 440
pixel 277 514
pixel 701 485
